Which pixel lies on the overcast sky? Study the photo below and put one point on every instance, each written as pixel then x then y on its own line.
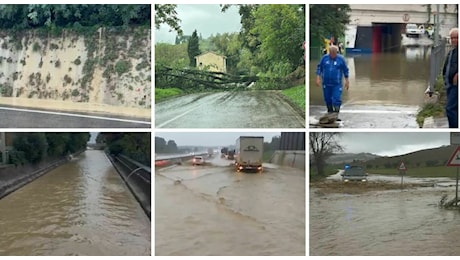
pixel 205 19
pixel 212 139
pixel 390 144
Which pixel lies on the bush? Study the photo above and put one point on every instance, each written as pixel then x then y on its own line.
pixel 77 61
pixel 122 66
pixel 36 47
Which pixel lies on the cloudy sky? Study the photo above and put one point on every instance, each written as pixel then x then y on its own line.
pixel 212 139
pixel 205 19
pixel 390 144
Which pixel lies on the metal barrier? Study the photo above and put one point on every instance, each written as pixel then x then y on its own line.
pixel 137 177
pixel 437 57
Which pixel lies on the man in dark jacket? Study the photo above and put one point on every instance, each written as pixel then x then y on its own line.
pixel 329 73
pixel 450 76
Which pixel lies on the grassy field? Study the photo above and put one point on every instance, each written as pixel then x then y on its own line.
pixel 437 171
pixel 330 170
pixel 297 95
pixel 162 94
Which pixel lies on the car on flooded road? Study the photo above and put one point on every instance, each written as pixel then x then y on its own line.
pixel 354 173
pixel 198 160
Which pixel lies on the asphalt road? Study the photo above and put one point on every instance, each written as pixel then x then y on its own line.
pixel 248 109
pixel 213 210
pixel 31 118
pixel 371 116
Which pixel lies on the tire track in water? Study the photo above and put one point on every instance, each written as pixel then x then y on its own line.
pixel 219 202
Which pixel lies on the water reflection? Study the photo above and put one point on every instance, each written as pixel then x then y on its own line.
pixel 80 208
pixel 384 78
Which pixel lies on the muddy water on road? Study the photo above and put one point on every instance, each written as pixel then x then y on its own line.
pixel 215 211
pixel 386 78
pixel 80 208
pixel 407 222
pixel 246 109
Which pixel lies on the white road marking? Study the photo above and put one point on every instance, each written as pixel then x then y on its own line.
pixel 179 116
pixel 376 112
pixel 74 115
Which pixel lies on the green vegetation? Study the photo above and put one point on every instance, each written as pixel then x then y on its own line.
pixel 35 147
pixel 54 17
pixel 422 172
pixel 435 110
pixel 296 95
pixel 133 145
pixel 163 94
pixel 36 47
pixel 193 49
pixel 122 66
pixel 77 61
pixel 328 171
pixel 268 49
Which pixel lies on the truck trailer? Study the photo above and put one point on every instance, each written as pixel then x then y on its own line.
pixel 248 153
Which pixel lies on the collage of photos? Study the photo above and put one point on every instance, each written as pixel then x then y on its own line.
pixel 221 98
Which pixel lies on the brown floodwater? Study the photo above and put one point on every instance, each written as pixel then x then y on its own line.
pixel 385 78
pixel 80 208
pixel 396 222
pixel 216 211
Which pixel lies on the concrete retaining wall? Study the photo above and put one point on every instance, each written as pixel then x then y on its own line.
pixel 295 159
pixel 14 177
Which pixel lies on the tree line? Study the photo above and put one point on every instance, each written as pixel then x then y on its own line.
pixel 30 16
pixel 35 147
pixel 133 145
pixel 163 146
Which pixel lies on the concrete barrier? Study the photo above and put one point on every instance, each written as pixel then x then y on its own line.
pixel 137 178
pixel 14 177
pixel 295 159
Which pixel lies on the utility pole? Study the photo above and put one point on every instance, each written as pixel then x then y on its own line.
pixel 436 30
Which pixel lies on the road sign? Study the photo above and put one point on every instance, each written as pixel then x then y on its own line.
pixel 455 138
pixel 406 17
pixel 402 167
pixel 455 158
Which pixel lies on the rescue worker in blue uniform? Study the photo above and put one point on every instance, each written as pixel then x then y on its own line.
pixel 329 74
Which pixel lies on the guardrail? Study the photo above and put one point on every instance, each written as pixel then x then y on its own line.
pixel 437 57
pixel 137 178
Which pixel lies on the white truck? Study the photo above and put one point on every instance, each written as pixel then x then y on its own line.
pixel 248 153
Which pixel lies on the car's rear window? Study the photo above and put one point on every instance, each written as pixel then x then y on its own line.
pixel 355 171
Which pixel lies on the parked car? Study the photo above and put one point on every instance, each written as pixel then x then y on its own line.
pixel 354 173
pixel 198 160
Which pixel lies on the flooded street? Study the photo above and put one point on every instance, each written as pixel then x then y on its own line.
pixel 212 210
pixel 379 83
pixel 80 208
pixel 243 109
pixel 391 222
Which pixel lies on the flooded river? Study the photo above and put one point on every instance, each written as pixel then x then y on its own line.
pixel 80 208
pixel 395 222
pixel 385 78
pixel 216 211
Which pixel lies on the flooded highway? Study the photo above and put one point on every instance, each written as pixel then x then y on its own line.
pixel 212 210
pixel 245 109
pixel 390 222
pixel 379 83
pixel 80 208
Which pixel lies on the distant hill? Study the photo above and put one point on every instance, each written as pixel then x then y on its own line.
pixel 350 157
pixel 423 158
